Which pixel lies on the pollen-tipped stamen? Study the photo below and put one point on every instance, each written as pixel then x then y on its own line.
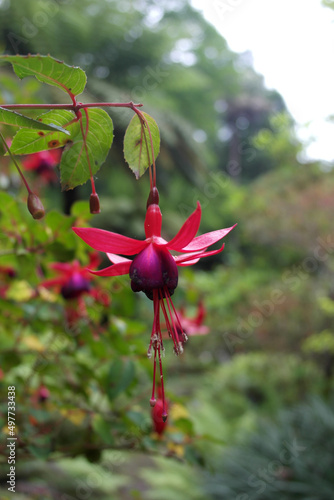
pixel 184 335
pixel 170 329
pixel 178 348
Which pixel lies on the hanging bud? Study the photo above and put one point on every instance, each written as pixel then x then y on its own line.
pixel 35 206
pixel 94 204
pixel 153 198
pixel 159 417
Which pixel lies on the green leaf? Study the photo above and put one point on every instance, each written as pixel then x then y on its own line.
pixel 119 377
pixel 103 429
pixel 74 166
pixel 12 118
pixel 58 223
pixel 46 69
pixel 185 425
pixel 81 209
pixel 137 144
pixel 32 141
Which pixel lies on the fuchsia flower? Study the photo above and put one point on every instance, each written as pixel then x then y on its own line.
pixel 42 394
pixel 192 326
pixel 73 281
pixel 153 270
pixel 7 273
pixel 43 163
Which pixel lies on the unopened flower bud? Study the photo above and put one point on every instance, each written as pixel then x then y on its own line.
pixel 94 204
pixel 35 206
pixel 153 197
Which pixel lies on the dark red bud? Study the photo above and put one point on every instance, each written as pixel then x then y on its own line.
pixel 153 197
pixel 35 206
pixel 94 204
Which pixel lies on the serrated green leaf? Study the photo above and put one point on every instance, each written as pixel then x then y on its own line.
pixel 17 120
pixel 33 141
pixel 137 144
pixel 74 166
pixel 47 69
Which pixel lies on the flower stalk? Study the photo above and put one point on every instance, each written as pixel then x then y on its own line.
pixel 34 203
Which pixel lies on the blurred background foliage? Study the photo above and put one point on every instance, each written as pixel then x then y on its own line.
pixel 240 397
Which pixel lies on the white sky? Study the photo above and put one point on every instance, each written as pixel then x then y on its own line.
pixel 292 42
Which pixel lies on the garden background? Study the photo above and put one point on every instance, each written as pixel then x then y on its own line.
pixel 250 402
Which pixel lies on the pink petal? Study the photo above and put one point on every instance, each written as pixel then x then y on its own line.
pixel 196 330
pixel 190 259
pixel 114 270
pixel 94 259
pixel 187 232
pixel 62 267
pixel 109 242
pixel 188 263
pixel 206 240
pixel 116 259
pixel 53 282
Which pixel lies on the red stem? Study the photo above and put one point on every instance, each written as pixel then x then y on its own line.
pixel 84 137
pixel 15 163
pixel 73 107
pixel 154 374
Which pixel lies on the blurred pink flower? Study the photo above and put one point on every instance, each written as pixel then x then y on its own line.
pixel 44 163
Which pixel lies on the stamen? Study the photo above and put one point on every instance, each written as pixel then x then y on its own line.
pixel 174 328
pixel 153 400
pixel 185 337
pixel 164 411
pixel 169 326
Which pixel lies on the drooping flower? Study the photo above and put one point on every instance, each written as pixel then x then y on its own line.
pixel 192 325
pixel 7 273
pixel 43 394
pixel 44 163
pixel 74 281
pixel 153 270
